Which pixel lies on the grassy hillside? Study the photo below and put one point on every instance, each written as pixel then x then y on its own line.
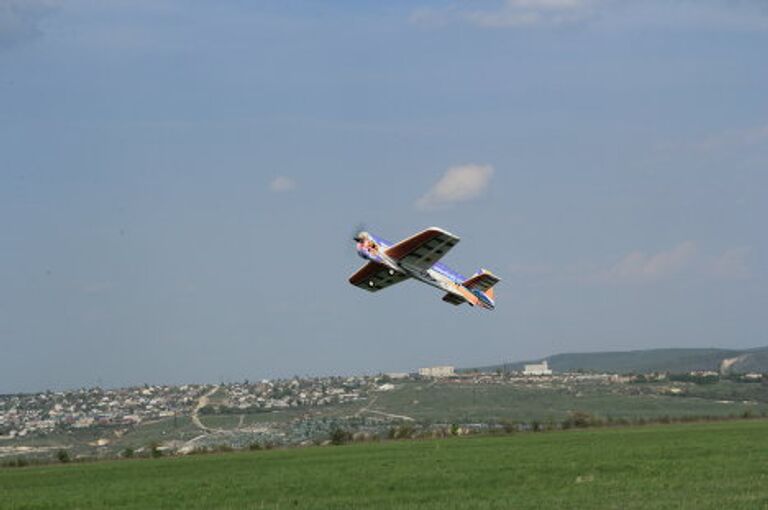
pixel 752 361
pixel 715 465
pixel 652 360
pixel 468 403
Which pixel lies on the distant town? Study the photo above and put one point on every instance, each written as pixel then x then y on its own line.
pixel 45 412
pixel 184 419
pixel 42 413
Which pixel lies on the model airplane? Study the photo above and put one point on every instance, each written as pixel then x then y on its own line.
pixel 417 257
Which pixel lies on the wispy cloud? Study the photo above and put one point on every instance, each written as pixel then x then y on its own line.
pixel 726 141
pixel 731 264
pixel 519 13
pixel 20 20
pixel 755 135
pixel 641 267
pixel 718 14
pixel 281 184
pixel 458 184
pixel 510 13
pixel 430 16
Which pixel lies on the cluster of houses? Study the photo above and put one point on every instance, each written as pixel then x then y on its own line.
pixel 26 415
pixel 288 393
pixel 42 413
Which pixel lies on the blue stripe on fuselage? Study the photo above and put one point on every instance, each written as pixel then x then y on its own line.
pixel 450 273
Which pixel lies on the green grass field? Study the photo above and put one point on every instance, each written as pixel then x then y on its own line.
pixel 706 465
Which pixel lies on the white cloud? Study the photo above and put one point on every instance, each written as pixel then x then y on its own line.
pixel 20 19
pixel 640 267
pixel 458 184
pixel 281 184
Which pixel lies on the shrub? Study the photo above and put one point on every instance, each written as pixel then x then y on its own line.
pixel 155 450
pixel 340 436
pixel 63 456
pixel 579 419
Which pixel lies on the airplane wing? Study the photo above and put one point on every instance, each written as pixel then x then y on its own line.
pixel 424 249
pixel 375 276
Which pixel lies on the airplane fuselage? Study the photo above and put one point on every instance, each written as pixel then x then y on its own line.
pixel 439 275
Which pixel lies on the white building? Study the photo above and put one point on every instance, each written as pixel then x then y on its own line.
pixel 537 369
pixel 437 372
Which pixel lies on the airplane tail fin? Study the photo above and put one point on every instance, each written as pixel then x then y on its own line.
pixel 483 281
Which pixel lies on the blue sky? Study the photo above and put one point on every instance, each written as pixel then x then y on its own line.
pixel 180 180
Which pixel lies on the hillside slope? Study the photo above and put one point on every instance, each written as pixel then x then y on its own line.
pixel 653 360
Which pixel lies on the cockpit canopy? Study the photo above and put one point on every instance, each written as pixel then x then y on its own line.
pixel 362 236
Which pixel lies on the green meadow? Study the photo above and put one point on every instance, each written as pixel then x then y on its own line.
pixel 700 465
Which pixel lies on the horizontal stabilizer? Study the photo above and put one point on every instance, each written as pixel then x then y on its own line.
pixel 454 299
pixel 482 281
